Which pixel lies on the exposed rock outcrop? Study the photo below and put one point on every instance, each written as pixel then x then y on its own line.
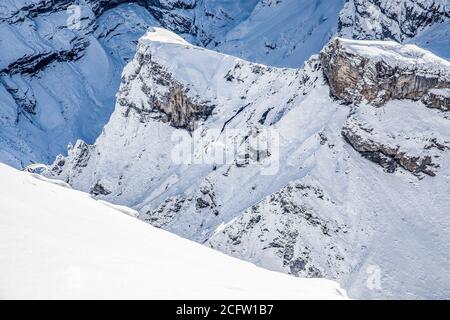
pixel 99 189
pixel 378 73
pixel 171 104
pixel 390 157
pixel 282 228
pixel 23 97
pixel 438 98
pixel 33 63
pixel 89 10
pixel 77 159
pixel 166 212
pixel 381 72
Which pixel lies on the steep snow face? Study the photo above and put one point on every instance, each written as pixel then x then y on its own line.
pixel 58 81
pixel 436 39
pixel 343 189
pixel 282 33
pixel 424 22
pixel 62 244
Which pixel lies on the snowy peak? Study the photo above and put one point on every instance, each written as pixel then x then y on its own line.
pixel 88 42
pixel 184 85
pixel 155 34
pixel 171 88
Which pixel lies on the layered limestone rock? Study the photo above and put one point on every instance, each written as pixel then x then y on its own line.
pixel 384 71
pixel 377 73
pixel 438 98
pixel 171 104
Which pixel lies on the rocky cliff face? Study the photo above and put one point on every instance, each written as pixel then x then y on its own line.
pixel 355 73
pixel 172 105
pixel 392 153
pixel 323 209
pixel 382 72
pixel 280 229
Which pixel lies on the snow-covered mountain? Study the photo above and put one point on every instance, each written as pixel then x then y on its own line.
pixel 350 173
pixel 58 81
pixel 338 169
pixel 62 244
pixel 61 61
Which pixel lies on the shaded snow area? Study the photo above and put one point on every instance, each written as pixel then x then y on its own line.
pixel 436 39
pixel 282 33
pixel 355 187
pixel 60 243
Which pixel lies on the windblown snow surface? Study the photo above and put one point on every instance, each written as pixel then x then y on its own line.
pixel 59 243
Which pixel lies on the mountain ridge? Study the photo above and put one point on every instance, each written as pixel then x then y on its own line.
pixel 73 42
pixel 338 164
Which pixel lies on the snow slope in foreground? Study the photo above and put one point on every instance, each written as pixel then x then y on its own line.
pixel 59 243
